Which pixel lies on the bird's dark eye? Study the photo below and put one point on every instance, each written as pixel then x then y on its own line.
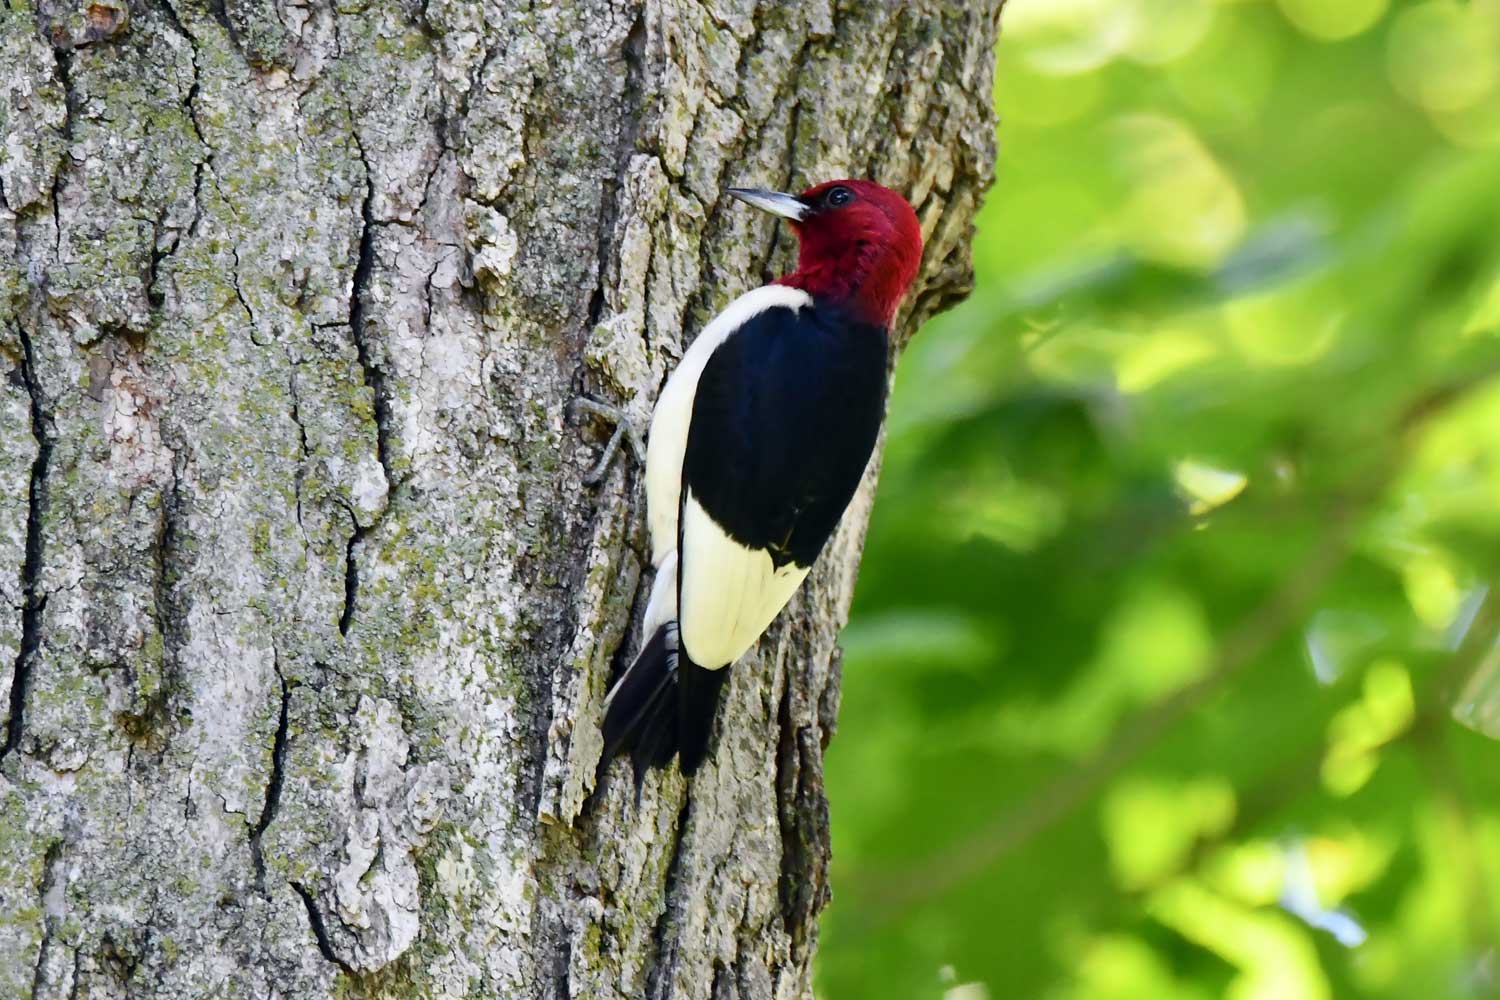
pixel 838 197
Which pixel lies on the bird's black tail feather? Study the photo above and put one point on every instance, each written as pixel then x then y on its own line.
pixel 663 707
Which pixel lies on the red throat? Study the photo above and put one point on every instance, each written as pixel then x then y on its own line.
pixel 863 257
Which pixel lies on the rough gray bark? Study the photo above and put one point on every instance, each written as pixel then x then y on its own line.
pixel 306 616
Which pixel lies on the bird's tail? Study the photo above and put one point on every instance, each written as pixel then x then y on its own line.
pixel 662 707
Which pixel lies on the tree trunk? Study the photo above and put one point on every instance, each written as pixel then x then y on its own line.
pixel 310 611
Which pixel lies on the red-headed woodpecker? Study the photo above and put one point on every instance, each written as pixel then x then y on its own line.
pixel 756 446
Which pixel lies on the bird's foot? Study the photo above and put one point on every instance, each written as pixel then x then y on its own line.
pixel 624 429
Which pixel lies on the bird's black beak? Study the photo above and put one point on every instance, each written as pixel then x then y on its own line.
pixel 784 205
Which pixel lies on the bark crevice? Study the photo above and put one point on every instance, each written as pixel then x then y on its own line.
pixel 190 105
pixel 274 783
pixel 370 372
pixel 659 980
pixel 299 476
pixel 351 574
pixel 239 294
pixel 64 66
pixel 154 295
pixel 151 724
pixel 633 100
pixel 364 269
pixel 33 599
pixel 320 930
pixel 802 812
pixel 51 873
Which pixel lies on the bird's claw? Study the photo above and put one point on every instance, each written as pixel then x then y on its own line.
pixel 624 428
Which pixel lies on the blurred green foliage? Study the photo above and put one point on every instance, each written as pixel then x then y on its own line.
pixel 1175 646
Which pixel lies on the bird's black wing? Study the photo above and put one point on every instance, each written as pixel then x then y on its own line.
pixel 785 417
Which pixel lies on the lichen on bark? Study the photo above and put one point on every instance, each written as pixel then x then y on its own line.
pixel 306 612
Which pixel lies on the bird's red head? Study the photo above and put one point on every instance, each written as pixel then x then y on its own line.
pixel 861 244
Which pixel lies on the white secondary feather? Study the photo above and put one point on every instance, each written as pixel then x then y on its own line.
pixel 662 607
pixel 729 593
pixel 667 443
pixel 661 610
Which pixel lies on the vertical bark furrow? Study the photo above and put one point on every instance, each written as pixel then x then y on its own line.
pixel 370 373
pixel 359 290
pixel 802 813
pixel 62 59
pixel 33 599
pixel 665 935
pixel 351 575
pixel 153 724
pixel 47 905
pixel 273 783
pixel 632 98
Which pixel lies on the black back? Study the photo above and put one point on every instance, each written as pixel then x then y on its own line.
pixel 784 420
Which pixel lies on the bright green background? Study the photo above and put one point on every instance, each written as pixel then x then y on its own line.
pixel 1174 602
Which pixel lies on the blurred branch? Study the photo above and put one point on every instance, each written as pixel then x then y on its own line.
pixel 1245 642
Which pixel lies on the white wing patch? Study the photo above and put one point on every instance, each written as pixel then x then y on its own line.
pixel 667 443
pixel 730 594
